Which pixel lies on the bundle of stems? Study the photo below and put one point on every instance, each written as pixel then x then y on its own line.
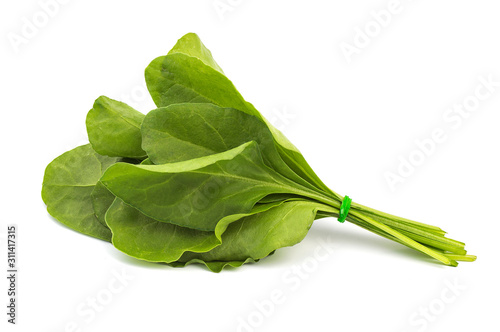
pixel 428 239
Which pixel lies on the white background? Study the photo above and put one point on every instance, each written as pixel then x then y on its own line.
pixel 352 121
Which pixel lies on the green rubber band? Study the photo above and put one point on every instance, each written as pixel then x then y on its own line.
pixel 344 208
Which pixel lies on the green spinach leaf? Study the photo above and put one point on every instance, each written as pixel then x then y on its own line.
pixel 185 131
pixel 114 129
pixel 197 193
pixel 256 236
pixel 145 238
pixel 67 186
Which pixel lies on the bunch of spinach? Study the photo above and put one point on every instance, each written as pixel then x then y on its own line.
pixel 203 178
